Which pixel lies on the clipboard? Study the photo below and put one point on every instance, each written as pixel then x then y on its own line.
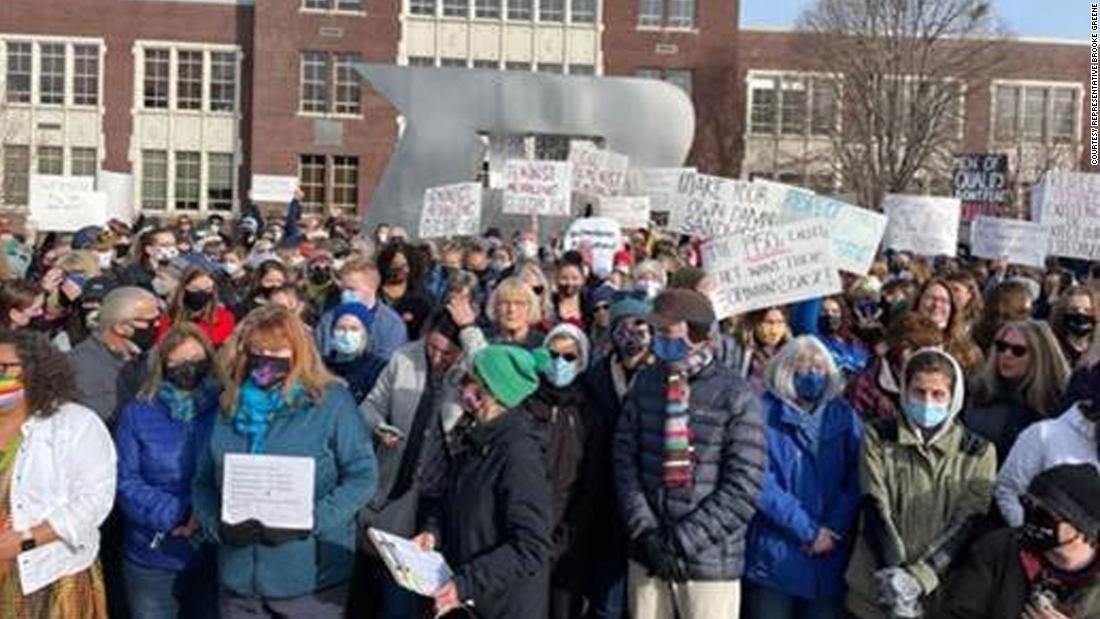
pixel 421 571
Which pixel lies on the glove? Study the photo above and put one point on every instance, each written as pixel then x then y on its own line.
pixel 671 549
pixel 274 537
pixel 243 534
pixel 899 591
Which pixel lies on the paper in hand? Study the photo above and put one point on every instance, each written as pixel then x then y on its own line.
pixel 420 571
pixel 276 490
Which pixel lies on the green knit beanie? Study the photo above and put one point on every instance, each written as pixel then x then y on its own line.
pixel 509 372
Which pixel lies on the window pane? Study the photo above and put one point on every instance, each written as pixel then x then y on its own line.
pixel 349 5
pixel 1063 114
pixel 421 61
pixel 314 82
pixel 517 66
pixel 486 64
pixel 223 81
pixel 85 74
pixel 422 7
pixel 583 11
pixel 550 67
pixel 188 178
pixel 488 9
pixel 17 169
pixel 552 147
pixel 792 107
pixel 19 72
pixel 154 179
pixel 347 84
pixel 650 12
pixel 763 115
pixel 189 80
pixel 156 78
pixel 453 62
pixel 311 179
pixel 318 4
pixel 681 14
pixel 82 162
pixel 51 78
pixel 582 69
pixel 345 182
pixel 456 8
pixel 51 160
pixel 681 78
pixel 1035 108
pixel 219 181
pixel 551 10
pixel 519 9
pixel 1004 114
pixel 823 111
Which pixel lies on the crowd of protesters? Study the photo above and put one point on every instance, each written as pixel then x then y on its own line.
pixel 578 439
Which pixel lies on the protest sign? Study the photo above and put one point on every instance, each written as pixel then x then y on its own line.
pixel 1021 242
pixel 597 172
pixel 856 232
pixel 656 183
pixel 1068 205
pixel 784 264
pixel 924 225
pixel 451 210
pixel 66 203
pixel 275 490
pixel 271 188
pixel 981 183
pixel 537 187
pixel 710 206
pixel 630 211
pixel 119 189
pixel 600 236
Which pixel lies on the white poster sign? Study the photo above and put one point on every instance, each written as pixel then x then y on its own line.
pixel 856 232
pixel 600 236
pixel 657 183
pixel 451 210
pixel 537 187
pixel 597 172
pixel 783 264
pixel 630 211
pixel 1021 242
pixel 1068 205
pixel 119 188
pixel 66 203
pixel 708 207
pixel 924 225
pixel 272 188
pixel 276 490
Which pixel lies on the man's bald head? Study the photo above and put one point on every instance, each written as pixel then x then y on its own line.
pixel 126 304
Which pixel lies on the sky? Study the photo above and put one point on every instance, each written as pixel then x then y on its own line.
pixel 1059 19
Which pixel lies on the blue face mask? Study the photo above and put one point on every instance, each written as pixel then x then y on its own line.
pixel 561 372
pixel 927 415
pixel 349 296
pixel 809 385
pixel 349 342
pixel 669 349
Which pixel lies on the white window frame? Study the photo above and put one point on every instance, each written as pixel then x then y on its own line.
pixel 174 48
pixel 807 78
pixel 36 42
pixel 331 71
pixel 1048 115
pixel 328 183
pixel 420 5
pixel 333 8
pixel 651 21
pixel 171 187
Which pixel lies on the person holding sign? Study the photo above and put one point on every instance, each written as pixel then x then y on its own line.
pixel 280 401
pixel 57 484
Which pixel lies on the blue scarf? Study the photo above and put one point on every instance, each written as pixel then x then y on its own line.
pixel 182 405
pixel 256 408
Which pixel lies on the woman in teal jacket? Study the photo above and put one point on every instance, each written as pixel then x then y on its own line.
pixel 798 540
pixel 280 401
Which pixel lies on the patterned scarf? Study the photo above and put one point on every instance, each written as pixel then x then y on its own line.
pixel 679 462
pixel 256 408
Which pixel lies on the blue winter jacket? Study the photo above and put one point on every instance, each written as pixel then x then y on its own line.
pixel 386 333
pixel 850 355
pixel 804 490
pixel 157 456
pixel 333 433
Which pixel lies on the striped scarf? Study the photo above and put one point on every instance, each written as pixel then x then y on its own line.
pixel 679 462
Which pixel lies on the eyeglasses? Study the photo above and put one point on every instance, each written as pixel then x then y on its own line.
pixel 1016 349
pixel 568 356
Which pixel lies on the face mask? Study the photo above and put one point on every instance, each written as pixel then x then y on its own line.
pixel 167 254
pixel 231 268
pixel 925 414
pixel 195 300
pixel 669 349
pixel 319 276
pixel 1040 530
pixel 829 325
pixel 350 296
pixel 649 287
pixel 538 290
pixel 809 385
pixel 145 338
pixel 1079 324
pixel 11 393
pixel 105 259
pixel 770 335
pixel 399 274
pixel 266 372
pixel 187 376
pixel 629 340
pixel 349 342
pixel 528 250
pixel 501 265
pixel 561 372
pixel 471 400
pixel 569 290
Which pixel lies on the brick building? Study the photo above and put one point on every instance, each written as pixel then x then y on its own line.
pixel 194 96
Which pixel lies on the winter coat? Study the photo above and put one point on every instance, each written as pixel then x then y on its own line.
pixel 804 490
pixel 1069 439
pixel 873 393
pixel 98 372
pixel 386 333
pixel 137 275
pixel 1000 422
pixel 359 373
pixel 493 519
pixel 710 516
pixel 332 433
pixel 217 329
pixel 157 458
pixel 993 584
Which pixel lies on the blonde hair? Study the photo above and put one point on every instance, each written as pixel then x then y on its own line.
pixel 82 261
pixel 513 287
pixel 177 313
pixel 271 327
pixel 1046 375
pixel 175 337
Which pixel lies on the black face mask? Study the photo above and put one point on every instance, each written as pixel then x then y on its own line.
pixel 1040 530
pixel 195 300
pixel 188 376
pixel 569 291
pixel 40 324
pixel 538 290
pixel 1079 324
pixel 319 276
pixel 145 338
pixel 830 325
pixel 267 372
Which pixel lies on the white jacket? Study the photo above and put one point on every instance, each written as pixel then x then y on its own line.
pixel 65 475
pixel 1068 439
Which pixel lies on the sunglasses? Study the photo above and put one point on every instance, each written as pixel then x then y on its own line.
pixel 568 356
pixel 1016 349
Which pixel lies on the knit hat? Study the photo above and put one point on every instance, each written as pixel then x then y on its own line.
pixel 358 310
pixel 574 333
pixel 602 294
pixel 629 303
pixel 1072 491
pixel 509 372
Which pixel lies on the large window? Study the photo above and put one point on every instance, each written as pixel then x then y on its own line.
pixel 345 182
pixel 519 9
pixel 487 9
pixel 219 181
pixel 673 14
pixel 51 76
pixel 329 181
pixel 51 160
pixel 157 63
pixel 19 75
pixel 223 81
pixel 1035 113
pixel 551 10
pixel 154 179
pixel 188 180
pixel 456 8
pixel 204 79
pixel 583 11
pixel 85 74
pixel 791 104
pixel 314 82
pixel 17 170
pixel 189 80
pixel 347 84
pixel 330 83
pixel 422 7
pixel 311 180
pixel 82 161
